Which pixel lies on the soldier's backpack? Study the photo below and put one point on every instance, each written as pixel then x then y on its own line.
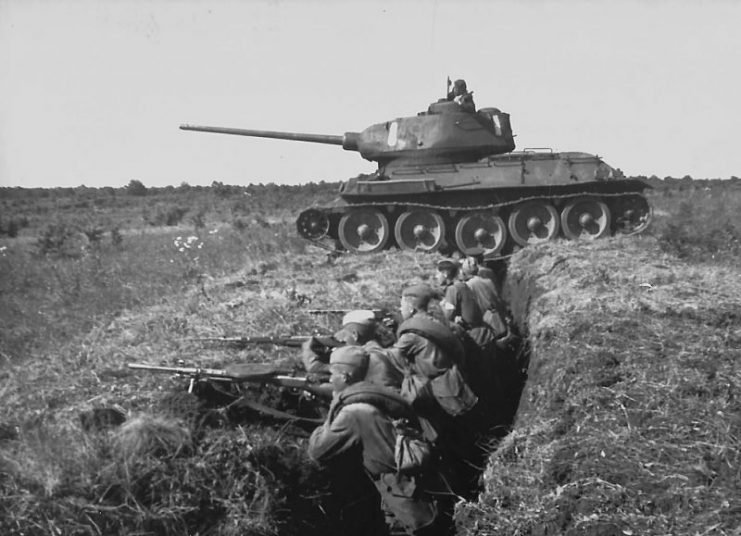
pixel 450 389
pixel 412 453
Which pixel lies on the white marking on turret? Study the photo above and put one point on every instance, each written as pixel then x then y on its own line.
pixel 393 134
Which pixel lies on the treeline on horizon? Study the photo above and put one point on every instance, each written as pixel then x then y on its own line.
pixel 138 188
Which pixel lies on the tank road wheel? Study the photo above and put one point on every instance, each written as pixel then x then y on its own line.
pixel 420 230
pixel 586 218
pixel 312 224
pixel 631 214
pixel 364 231
pixel 480 233
pixel 533 223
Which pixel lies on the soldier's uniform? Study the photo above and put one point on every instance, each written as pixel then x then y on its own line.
pixel 381 370
pixel 460 306
pixel 484 292
pixel 368 425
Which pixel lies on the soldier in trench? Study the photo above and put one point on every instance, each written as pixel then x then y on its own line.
pixel 441 382
pixel 360 424
pixel 359 328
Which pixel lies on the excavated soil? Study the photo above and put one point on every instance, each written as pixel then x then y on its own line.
pixel 630 420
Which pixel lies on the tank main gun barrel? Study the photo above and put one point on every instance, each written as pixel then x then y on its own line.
pixel 349 141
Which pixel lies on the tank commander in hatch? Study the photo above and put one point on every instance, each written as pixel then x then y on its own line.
pixel 461 96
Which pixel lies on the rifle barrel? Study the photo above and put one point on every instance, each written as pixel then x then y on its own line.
pixel 197 373
pixel 379 313
pixel 183 371
pixel 293 341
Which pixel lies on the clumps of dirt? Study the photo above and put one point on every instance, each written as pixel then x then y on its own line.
pixel 629 421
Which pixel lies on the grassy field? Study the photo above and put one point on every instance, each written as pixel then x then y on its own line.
pixel 631 400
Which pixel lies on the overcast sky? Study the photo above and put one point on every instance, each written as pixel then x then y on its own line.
pixel 93 92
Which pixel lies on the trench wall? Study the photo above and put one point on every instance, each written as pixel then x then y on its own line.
pixel 630 420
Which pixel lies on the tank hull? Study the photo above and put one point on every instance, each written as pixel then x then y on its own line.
pixel 486 208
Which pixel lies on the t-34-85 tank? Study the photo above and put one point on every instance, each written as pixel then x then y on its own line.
pixel 448 177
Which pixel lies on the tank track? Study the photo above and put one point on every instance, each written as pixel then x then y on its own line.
pixel 332 243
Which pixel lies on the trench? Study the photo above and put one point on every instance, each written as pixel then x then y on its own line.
pixel 334 519
pixel 299 497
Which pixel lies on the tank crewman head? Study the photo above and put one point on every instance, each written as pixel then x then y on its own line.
pixel 347 365
pixel 416 298
pixel 459 87
pixel 358 327
pixel 447 271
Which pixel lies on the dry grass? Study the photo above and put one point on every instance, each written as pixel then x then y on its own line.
pixel 178 467
pixel 630 419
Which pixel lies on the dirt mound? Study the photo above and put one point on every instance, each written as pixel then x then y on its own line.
pixel 629 423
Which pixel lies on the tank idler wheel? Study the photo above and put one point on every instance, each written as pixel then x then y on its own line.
pixel 585 218
pixel 420 230
pixel 480 233
pixel 631 214
pixel 364 231
pixel 533 223
pixel 312 224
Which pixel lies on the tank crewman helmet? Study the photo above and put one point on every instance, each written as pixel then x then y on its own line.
pixel 459 87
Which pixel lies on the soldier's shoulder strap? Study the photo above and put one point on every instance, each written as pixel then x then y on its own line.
pixel 386 400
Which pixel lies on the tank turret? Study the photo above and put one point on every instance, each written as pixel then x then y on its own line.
pixel 448 179
pixel 443 134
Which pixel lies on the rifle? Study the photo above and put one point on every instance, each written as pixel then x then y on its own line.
pixel 380 313
pixel 261 373
pixel 293 341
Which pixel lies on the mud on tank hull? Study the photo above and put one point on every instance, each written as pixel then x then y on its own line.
pixel 484 208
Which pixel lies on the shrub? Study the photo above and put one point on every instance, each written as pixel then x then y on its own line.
pixel 136 188
pixel 164 214
pixel 9 227
pixel 116 236
pixel 62 239
pixel 199 218
pixel 240 223
pixel 702 227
